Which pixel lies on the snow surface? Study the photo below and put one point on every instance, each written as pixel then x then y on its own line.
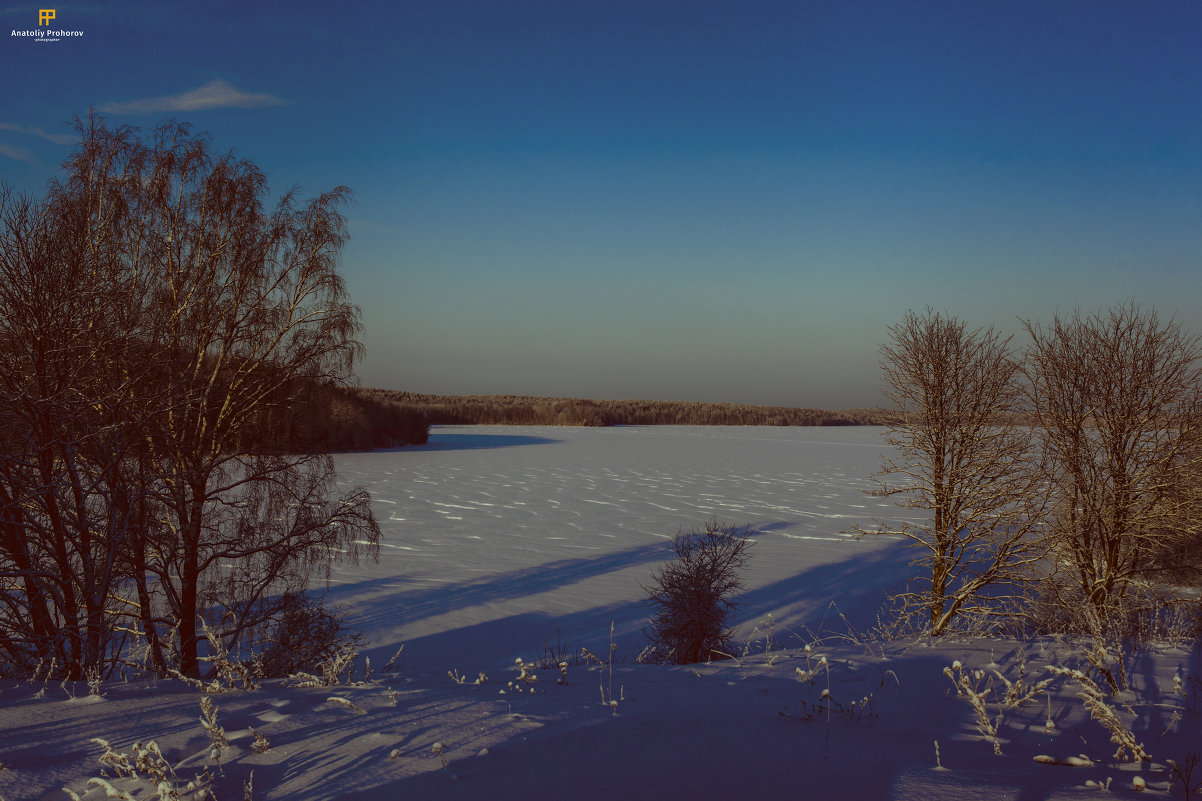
pixel 494 537
pixel 503 542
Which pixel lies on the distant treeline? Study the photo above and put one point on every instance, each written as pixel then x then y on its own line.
pixel 527 410
pixel 319 418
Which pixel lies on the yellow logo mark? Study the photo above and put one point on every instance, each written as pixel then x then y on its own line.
pixel 45 15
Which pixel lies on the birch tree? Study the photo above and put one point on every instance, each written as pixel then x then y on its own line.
pixel 72 397
pixel 156 313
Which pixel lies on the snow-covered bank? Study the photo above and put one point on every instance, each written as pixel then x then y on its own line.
pixel 757 726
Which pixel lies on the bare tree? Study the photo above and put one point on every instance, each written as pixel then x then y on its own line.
pixel 1117 397
pixel 155 317
pixel 69 313
pixel 962 460
pixel 693 595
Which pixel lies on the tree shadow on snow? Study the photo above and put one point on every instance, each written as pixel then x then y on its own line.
pixel 828 597
pixel 706 740
pixel 448 441
pixel 801 601
pixel 414 605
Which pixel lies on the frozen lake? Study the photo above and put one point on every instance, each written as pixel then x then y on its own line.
pixel 496 539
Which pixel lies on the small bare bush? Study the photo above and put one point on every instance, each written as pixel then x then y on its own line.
pixel 692 596
pixel 303 634
pixel 1183 773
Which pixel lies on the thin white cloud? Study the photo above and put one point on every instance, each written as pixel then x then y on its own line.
pixel 18 153
pixel 58 139
pixel 214 94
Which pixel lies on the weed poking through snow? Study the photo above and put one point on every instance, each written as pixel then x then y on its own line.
pixel 1091 695
pixel 395 662
pixel 976 686
pixel 459 678
pixel 607 667
pixel 1018 692
pixel 1183 773
pixel 345 704
pixel 261 743
pixel 208 720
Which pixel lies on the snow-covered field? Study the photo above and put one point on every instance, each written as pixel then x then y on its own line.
pixel 494 537
pixel 501 541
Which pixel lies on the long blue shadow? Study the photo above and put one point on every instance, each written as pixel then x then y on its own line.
pixel 415 605
pixel 858 584
pixel 702 748
pixel 447 441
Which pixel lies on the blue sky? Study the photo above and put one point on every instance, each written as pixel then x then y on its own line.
pixel 700 201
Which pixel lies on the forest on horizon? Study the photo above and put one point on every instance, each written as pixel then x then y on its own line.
pixel 535 410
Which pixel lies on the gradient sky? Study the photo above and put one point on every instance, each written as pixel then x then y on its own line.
pixel 678 200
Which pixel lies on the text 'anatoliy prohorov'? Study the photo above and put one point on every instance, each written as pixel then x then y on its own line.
pixel 42 34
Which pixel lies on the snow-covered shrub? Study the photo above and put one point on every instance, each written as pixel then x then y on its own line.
pixel 145 772
pixel 692 596
pixel 1147 613
pixel 210 686
pixel 208 720
pixel 346 704
pixel 261 743
pixel 976 686
pixel 1020 691
pixel 330 669
pixel 333 667
pixel 1091 695
pixel 228 673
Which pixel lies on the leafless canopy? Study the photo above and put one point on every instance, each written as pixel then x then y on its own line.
pixel 954 393
pixel 1117 397
pixel 154 313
